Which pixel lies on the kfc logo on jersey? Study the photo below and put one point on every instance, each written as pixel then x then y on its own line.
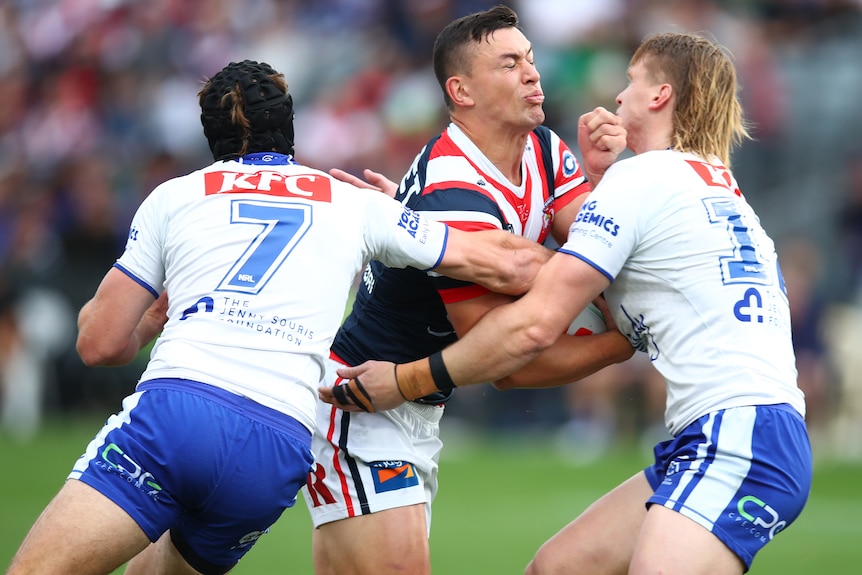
pixel 272 183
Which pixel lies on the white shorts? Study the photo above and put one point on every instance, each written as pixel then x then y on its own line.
pixel 369 462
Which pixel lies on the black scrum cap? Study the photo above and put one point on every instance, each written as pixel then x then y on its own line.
pixel 268 109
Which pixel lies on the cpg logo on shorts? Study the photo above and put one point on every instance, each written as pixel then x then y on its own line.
pixel 115 460
pixel 759 518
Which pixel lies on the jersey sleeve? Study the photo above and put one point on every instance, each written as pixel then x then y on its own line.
pixel 142 258
pixel 400 237
pixel 464 209
pixel 612 220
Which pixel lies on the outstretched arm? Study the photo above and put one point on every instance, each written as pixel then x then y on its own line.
pixel 505 339
pixel 499 260
pixel 573 357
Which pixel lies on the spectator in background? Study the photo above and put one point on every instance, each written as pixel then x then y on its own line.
pixel 35 325
pixel 802 267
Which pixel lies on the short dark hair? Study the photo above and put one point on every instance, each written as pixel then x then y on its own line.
pixel 246 108
pixel 450 54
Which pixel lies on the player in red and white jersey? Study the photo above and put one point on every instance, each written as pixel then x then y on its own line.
pixel 258 255
pixel 693 280
pixel 494 167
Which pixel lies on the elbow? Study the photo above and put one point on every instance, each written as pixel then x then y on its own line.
pixel 520 267
pixel 538 336
pixel 525 266
pixel 533 341
pixel 516 278
pixel 507 383
pixel 99 353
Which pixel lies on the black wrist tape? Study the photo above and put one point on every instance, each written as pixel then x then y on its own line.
pixel 439 373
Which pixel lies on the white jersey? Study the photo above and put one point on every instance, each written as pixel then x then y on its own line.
pixel 258 260
pixel 695 282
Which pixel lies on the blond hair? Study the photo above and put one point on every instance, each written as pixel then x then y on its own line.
pixel 708 118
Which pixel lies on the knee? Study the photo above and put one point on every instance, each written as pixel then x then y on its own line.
pixel 573 558
pixel 532 568
pixel 543 563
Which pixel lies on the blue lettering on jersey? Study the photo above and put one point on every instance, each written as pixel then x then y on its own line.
pixel 588 215
pixel 410 222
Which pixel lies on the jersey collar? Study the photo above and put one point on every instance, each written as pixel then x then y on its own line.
pixel 267 158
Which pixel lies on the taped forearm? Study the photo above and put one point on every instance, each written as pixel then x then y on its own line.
pixel 423 377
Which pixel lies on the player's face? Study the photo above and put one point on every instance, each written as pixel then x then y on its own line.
pixel 633 104
pixel 504 83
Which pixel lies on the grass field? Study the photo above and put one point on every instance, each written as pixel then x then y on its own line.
pixel 495 506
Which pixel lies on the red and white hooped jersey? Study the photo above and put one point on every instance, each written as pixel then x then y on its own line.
pixel 399 315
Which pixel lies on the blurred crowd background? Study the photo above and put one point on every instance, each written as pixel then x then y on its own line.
pixel 98 105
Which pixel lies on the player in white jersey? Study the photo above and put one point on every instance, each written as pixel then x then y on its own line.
pixel 258 254
pixel 692 279
pixel 493 167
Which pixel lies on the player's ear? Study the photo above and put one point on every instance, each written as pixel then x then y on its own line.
pixel 459 91
pixel 661 97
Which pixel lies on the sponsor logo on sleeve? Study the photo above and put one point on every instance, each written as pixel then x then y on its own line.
pixel 590 215
pixel 570 166
pixel 416 226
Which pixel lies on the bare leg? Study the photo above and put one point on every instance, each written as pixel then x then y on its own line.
pixel 160 558
pixel 384 543
pixel 602 539
pixel 673 544
pixel 81 532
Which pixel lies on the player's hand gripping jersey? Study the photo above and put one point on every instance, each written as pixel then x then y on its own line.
pixel 247 328
pixel 701 233
pixel 399 314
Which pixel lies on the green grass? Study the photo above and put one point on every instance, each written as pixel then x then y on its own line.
pixel 497 504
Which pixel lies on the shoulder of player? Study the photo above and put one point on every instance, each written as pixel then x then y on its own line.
pixel 644 166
